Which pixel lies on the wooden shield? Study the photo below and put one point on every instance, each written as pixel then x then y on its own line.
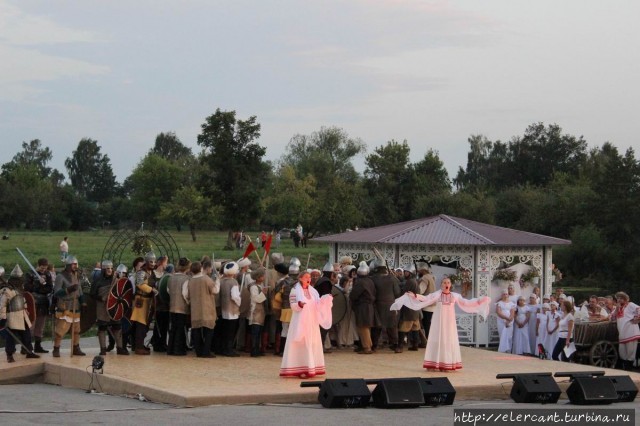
pixel 120 299
pixel 30 306
pixel 88 314
pixel 339 308
pixel 163 288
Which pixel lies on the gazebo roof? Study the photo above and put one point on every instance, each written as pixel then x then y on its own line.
pixel 443 230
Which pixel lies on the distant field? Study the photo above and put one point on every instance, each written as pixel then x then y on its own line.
pixel 88 248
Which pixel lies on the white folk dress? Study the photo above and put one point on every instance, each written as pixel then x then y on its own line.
pixel 628 333
pixel 541 339
pixel 443 347
pixel 552 338
pixel 303 353
pixel 505 333
pixel 533 316
pixel 521 335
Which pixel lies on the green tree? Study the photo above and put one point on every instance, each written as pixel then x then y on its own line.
pixel 290 200
pixel 90 172
pixel 33 153
pixel 190 207
pixel 327 156
pixel 235 170
pixel 169 147
pixel 152 183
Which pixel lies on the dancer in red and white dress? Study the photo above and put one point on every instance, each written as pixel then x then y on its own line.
pixel 443 347
pixel 303 355
pixel 627 315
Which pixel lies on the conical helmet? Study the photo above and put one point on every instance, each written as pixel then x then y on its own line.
pixel 363 268
pixel 16 272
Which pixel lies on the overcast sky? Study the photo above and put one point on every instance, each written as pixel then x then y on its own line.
pixel 430 72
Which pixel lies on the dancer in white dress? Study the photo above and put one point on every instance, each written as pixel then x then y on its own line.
pixel 627 316
pixel 443 347
pixel 521 329
pixel 505 311
pixel 303 355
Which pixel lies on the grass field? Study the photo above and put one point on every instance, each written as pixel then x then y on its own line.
pixel 89 246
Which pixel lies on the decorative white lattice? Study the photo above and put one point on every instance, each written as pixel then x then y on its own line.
pixel 506 256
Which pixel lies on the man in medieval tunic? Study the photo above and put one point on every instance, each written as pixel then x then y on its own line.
pixel 69 303
pixel 287 284
pixel 13 316
pixel 99 292
pixel 200 291
pixel 143 301
pixel 323 286
pixel 230 308
pixel 178 309
pixel 409 325
pixel 279 275
pixel 41 287
pixel 387 290
pixel 443 347
pixel 363 299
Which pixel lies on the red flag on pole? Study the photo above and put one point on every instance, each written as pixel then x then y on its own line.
pixel 250 248
pixel 267 245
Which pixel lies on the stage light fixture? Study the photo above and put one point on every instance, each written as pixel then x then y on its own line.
pixel 97 363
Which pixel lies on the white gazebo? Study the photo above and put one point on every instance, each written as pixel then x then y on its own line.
pixel 453 245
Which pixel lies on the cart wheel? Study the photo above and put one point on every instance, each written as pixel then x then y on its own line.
pixel 603 354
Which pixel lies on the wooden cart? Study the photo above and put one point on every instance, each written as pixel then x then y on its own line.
pixel 597 342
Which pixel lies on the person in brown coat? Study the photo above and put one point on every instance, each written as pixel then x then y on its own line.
pixel 387 291
pixel 200 293
pixel 363 298
pixel 178 309
pixel 409 319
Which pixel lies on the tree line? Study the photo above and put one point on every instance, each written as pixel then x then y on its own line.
pixel 543 181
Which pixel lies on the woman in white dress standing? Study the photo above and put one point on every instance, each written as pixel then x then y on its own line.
pixel 505 311
pixel 534 308
pixel 443 347
pixel 303 355
pixel 553 317
pixel 541 332
pixel 521 329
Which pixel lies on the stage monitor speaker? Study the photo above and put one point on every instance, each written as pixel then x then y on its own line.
pixel 592 391
pixel 344 393
pixel 625 388
pixel 535 388
pixel 398 393
pixel 437 391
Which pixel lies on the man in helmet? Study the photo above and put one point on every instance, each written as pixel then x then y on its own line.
pixel 286 313
pixel 387 290
pixel 409 325
pixel 230 301
pixel 278 279
pixel 13 316
pixel 40 286
pixel 99 292
pixel 70 300
pixel 363 299
pixel 426 286
pixel 161 311
pixel 323 286
pixel 142 305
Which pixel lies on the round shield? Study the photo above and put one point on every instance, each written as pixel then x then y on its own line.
pixel 163 289
pixel 30 305
pixel 88 315
pixel 339 308
pixel 120 299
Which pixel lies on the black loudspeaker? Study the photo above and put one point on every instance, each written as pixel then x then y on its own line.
pixel 398 393
pixel 344 393
pixel 437 391
pixel 535 388
pixel 625 388
pixel 592 391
